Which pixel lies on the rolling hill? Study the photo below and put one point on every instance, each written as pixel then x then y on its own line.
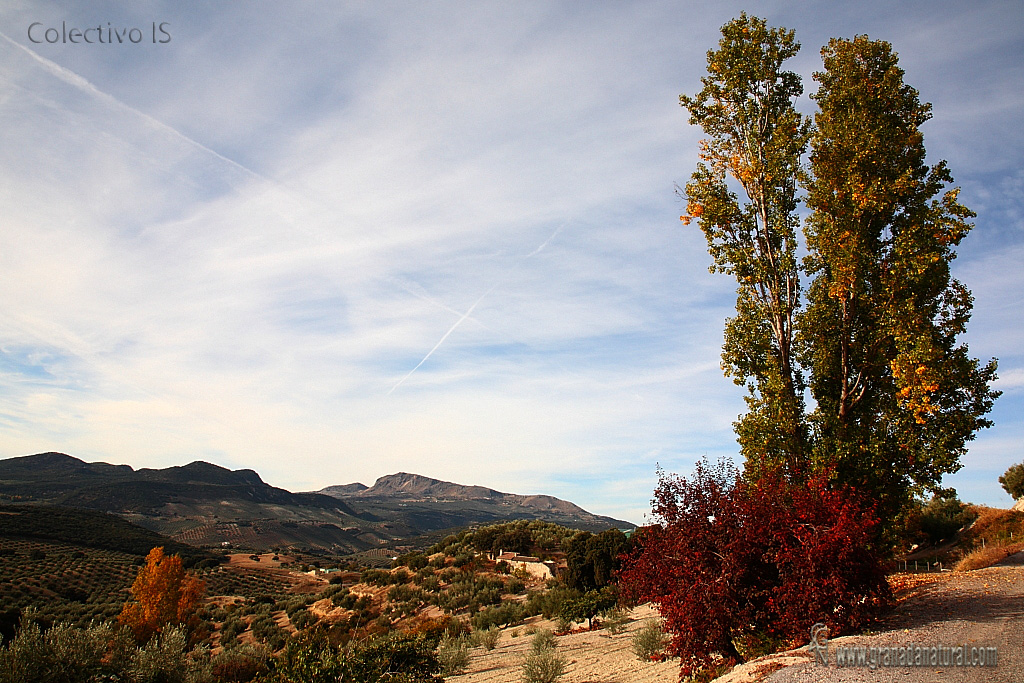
pixel 208 505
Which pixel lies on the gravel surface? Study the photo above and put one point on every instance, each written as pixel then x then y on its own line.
pixel 978 608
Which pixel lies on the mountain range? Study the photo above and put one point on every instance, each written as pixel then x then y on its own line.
pixel 208 505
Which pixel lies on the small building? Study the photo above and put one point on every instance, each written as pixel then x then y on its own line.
pixel 529 564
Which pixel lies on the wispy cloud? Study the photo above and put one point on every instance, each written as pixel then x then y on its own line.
pixel 331 243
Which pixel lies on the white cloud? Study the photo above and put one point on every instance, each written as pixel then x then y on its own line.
pixel 235 246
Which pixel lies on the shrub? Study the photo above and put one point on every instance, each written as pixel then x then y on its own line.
pixel 515 585
pixel 543 639
pixel 62 653
pixel 615 621
pixel 763 557
pixel 487 638
pixel 166 658
pixel 543 664
pixel 549 603
pixel 986 556
pixel 404 593
pixel 240 664
pixel 505 614
pixel 396 658
pixel 649 641
pixel 453 654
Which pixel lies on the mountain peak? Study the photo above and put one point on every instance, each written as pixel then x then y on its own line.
pixel 404 484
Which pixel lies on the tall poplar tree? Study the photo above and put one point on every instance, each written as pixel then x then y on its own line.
pixel 897 396
pixel 755 138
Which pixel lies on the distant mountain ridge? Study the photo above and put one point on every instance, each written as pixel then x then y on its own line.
pixel 416 487
pixel 207 505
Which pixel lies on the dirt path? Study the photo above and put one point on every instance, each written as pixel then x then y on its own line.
pixel 979 608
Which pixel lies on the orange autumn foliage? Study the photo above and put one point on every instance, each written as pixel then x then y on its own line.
pixel 164 593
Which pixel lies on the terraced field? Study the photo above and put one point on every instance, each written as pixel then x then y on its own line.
pixel 64 582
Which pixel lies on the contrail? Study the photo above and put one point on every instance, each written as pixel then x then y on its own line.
pixel 545 243
pixel 73 79
pixel 470 311
pixel 441 341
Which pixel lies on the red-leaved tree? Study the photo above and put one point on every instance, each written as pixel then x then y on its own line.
pixel 729 559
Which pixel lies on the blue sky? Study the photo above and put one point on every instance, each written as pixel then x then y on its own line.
pixel 332 241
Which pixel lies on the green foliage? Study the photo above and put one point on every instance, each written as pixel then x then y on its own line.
pixel 166 658
pixel 469 591
pixel 649 641
pixel 100 652
pixel 589 605
pixel 503 614
pixel 615 620
pixel 542 640
pixel 548 603
pixel 941 518
pixel 897 397
pixel 453 654
pixel 1013 481
pixel 487 638
pixel 593 559
pixel 240 664
pixel 755 138
pixel 89 529
pixel 521 536
pixel 394 658
pixel 69 584
pixel 543 663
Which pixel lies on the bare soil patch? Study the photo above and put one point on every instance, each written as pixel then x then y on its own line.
pixel 594 657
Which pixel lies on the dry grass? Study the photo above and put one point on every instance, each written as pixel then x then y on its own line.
pixel 987 556
pixel 994 535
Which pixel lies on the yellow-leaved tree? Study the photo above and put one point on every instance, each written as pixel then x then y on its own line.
pixel 164 594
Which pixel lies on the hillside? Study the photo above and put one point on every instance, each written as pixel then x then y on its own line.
pixel 87 529
pixel 198 503
pixel 208 505
pixel 432 504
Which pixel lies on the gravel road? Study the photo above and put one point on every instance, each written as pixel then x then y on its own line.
pixel 979 608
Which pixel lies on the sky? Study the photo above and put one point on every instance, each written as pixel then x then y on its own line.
pixel 334 241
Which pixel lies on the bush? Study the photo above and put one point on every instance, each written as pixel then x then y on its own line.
pixel 453 654
pixel 240 664
pixel 763 557
pixel 505 614
pixel 62 653
pixel 167 659
pixel 543 665
pixel 649 641
pixel 542 640
pixel 615 621
pixel 396 658
pixel 549 603
pixel 487 638
pixel 986 556
pixel 942 518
